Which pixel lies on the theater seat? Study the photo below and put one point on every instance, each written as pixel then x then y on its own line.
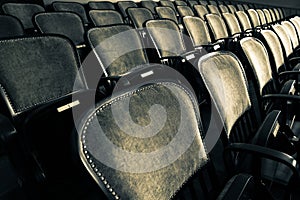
pixel 67 24
pixel 72 7
pixel 153 166
pixel 116 54
pixel 150 5
pixel 40 81
pixel 123 5
pixel 217 27
pixel 139 16
pixel 244 21
pixel 105 17
pixel 232 24
pixel 197 31
pixel 10 27
pixel 166 13
pixel 185 11
pixel 166 3
pixel 105 5
pixel 237 112
pixel 201 11
pixel 24 12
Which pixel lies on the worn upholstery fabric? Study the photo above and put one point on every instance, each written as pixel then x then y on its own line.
pixel 24 12
pixel 137 167
pixel 240 7
pixel 267 15
pixel 225 80
pixel 167 3
pixel 71 7
pixel 123 5
pixel 212 3
pixel 224 9
pixel 37 70
pixel 63 23
pixel 277 14
pixel 282 13
pixel 273 15
pixel 150 5
pixel 166 13
pixel 105 17
pixel 139 16
pixel 185 11
pixel 201 11
pixel 244 20
pixel 172 45
pixel 290 29
pixel 118 47
pixel 204 3
pixel 105 5
pixel 246 6
pixel 254 18
pixel 180 3
pixel 275 47
pixel 262 17
pixel 232 8
pixel 284 37
pixel 217 26
pixel 296 23
pixel 213 9
pixel 10 27
pixel 191 4
pixel 258 58
pixel 232 23
pixel 197 31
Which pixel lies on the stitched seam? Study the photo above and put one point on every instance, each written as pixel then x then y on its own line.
pixel 6 95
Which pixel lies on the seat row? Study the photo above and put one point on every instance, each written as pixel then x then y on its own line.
pixel 34 18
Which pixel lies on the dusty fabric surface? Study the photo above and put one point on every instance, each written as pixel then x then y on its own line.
pixel 201 11
pixel 275 47
pixel 172 45
pixel 217 26
pixel 197 30
pixel 185 11
pixel 139 16
pixel 71 7
pixel 152 149
pixel 10 27
pixel 258 58
pixel 254 17
pixel 232 23
pixel 166 13
pixel 24 12
pixel 284 37
pixel 118 47
pixel 62 23
pixel 226 82
pixel 37 70
pixel 244 20
pixel 105 17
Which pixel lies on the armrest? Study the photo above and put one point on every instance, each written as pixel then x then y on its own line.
pixel 7 132
pixel 264 152
pixel 268 127
pixel 284 97
pixel 294 61
pixel 294 74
